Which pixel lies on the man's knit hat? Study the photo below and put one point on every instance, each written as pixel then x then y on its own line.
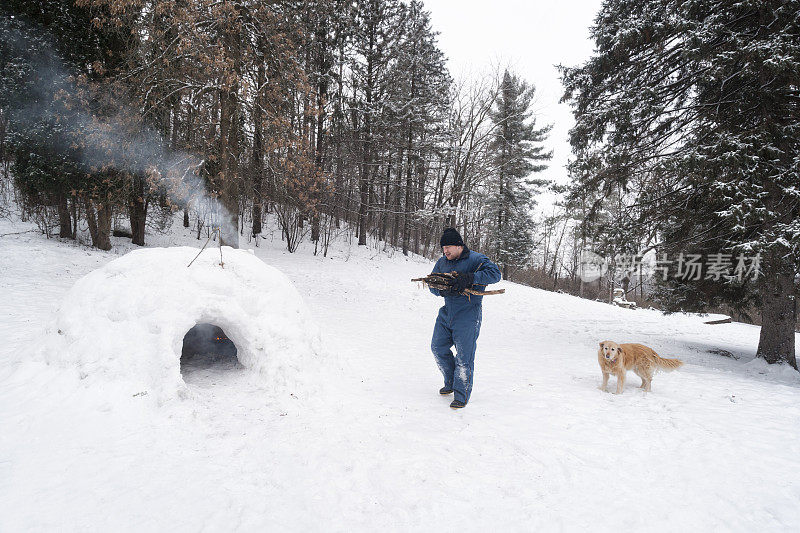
pixel 451 237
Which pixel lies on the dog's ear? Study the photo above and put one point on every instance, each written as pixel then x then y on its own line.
pixel 619 350
pixel 601 345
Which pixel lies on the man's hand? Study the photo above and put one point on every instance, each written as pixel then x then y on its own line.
pixel 463 280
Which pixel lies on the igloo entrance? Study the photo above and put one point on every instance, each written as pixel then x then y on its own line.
pixel 207 347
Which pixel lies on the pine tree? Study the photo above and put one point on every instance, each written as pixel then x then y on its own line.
pixel 702 97
pixel 52 59
pixel 375 43
pixel 518 152
pixel 420 102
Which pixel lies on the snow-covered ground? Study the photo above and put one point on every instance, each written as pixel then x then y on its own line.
pixel 714 446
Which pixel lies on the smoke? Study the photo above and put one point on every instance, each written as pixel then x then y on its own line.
pixel 45 100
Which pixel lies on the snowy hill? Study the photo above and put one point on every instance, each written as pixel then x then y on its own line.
pixel 715 445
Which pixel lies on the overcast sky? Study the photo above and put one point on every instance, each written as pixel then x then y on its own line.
pixel 530 36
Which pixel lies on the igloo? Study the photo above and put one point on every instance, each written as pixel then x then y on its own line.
pixel 127 320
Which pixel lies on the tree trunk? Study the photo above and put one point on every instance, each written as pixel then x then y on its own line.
pixel 257 161
pixel 257 229
pixel 91 221
pixel 363 204
pixel 99 223
pixel 409 185
pixel 74 209
pixel 229 145
pixel 137 212
pixel 64 219
pixel 778 312
pixel 398 187
pixel 387 198
pixel 322 97
pixel 778 293
pixel 104 213
pixel 366 167
pixel 138 216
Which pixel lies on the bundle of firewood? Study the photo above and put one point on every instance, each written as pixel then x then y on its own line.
pixel 441 281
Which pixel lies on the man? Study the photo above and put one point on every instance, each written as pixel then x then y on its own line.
pixel 459 320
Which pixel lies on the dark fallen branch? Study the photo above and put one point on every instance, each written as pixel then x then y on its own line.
pixel 20 232
pixel 439 281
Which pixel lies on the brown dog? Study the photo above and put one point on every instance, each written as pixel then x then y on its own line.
pixel 617 359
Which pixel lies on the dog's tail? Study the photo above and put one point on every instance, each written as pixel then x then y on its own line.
pixel 668 364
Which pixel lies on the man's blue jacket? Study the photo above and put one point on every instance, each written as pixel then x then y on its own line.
pixel 484 270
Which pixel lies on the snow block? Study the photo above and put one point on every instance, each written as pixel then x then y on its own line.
pixel 127 319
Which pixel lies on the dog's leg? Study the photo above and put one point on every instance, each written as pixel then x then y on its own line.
pixel 605 382
pixel 620 382
pixel 649 379
pixel 641 375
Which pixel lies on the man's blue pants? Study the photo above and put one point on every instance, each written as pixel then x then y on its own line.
pixel 459 327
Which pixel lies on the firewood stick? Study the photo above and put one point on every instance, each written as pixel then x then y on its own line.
pixel 432 283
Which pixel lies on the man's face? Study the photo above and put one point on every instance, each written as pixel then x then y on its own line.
pixel 452 252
